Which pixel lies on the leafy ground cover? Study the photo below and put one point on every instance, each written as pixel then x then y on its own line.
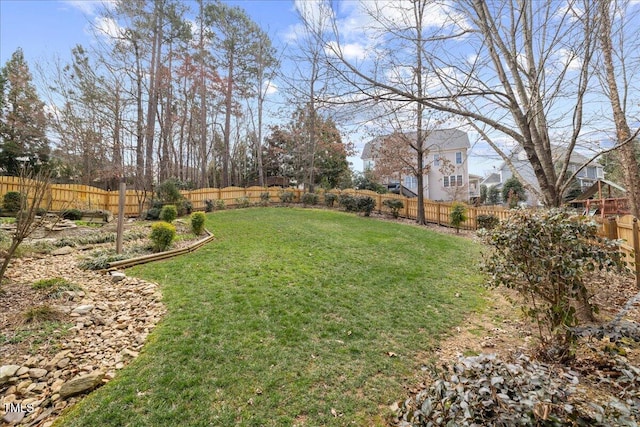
pixel 291 317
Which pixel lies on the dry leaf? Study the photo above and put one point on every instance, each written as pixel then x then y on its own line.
pixel 334 413
pixel 258 390
pixel 391 354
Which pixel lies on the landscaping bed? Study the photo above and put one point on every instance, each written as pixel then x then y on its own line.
pixel 61 323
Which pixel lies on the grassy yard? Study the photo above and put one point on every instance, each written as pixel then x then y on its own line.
pixel 291 317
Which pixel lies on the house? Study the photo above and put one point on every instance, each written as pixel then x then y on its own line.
pixel 584 179
pixel 446 174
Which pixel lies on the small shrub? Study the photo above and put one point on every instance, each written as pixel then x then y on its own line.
pixel 458 215
pixel 366 205
pixel 348 202
pixel 168 191
pixel 162 235
pixel 286 197
pixel 152 214
pixel 395 205
pixel 72 214
pixel 546 257
pixel 330 199
pixel 208 205
pixel 197 222
pixel 310 199
pixel 12 201
pixel 168 213
pixel 488 222
pixel 187 207
pixel 264 198
pixel 243 202
pixel 220 205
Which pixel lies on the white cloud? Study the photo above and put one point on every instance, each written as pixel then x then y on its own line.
pixel 269 87
pixel 569 59
pixel 350 51
pixel 107 27
pixel 91 8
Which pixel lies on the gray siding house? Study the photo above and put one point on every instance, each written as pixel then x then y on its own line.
pixel 585 178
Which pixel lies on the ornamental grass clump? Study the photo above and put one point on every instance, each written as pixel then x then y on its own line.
pixel 547 256
pixel 162 235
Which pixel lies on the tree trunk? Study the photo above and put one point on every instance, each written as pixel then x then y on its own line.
pixel 628 161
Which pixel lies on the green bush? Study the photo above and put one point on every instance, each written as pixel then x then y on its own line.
pixel 72 214
pixel 168 192
pixel 348 202
pixel 162 235
pixel 458 215
pixel 547 255
pixel 513 192
pixel 488 222
pixel 366 205
pixel 220 204
pixel 330 199
pixel 264 198
pixel 243 202
pixel 286 197
pixel 152 214
pixel 197 222
pixel 208 205
pixel 168 213
pixel 12 201
pixel 395 205
pixel 187 207
pixel 310 199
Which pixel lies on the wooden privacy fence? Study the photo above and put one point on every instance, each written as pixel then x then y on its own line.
pixel 73 196
pixel 626 229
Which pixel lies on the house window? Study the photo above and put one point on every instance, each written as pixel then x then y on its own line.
pixel 436 160
pixel 459 180
pixel 591 172
pixel 410 181
pixel 452 181
pixel 458 157
pixel 445 181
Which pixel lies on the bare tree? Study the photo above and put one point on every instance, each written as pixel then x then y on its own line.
pixel 618 96
pixel 34 189
pixel 515 70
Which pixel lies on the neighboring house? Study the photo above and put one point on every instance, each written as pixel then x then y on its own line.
pixel 446 168
pixel 585 178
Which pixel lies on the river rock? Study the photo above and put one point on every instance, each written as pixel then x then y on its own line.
pixel 83 309
pixel 81 384
pixel 7 372
pixel 65 250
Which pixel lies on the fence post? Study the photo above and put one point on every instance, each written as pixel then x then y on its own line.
pixel 612 232
pixel 636 250
pixel 438 212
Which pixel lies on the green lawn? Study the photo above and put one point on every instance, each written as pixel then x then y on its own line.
pixel 291 317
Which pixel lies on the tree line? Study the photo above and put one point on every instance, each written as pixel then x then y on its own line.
pixel 172 90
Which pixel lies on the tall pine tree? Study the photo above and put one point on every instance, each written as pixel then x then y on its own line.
pixel 23 121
